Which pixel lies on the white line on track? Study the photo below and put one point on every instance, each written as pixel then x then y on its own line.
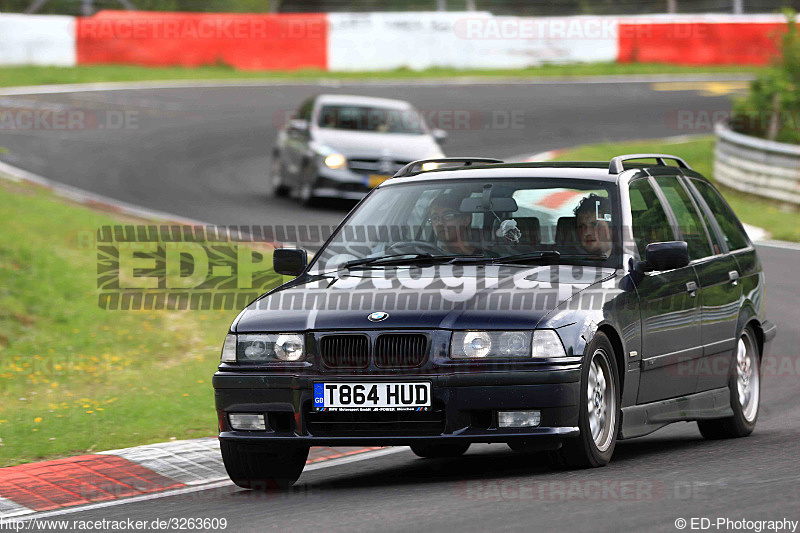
pixel 223 482
pixel 212 84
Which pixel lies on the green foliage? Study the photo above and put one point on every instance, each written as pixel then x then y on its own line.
pixel 75 377
pixel 774 99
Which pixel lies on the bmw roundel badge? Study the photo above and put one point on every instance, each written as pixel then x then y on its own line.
pixel 378 316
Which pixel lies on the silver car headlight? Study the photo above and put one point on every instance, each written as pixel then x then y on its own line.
pixel 263 348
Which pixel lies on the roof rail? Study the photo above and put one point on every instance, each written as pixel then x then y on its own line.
pixel 468 162
pixel 615 167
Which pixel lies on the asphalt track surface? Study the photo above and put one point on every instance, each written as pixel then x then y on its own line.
pixel 202 154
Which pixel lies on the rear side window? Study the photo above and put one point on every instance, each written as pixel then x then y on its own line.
pixel 650 222
pixel 692 228
pixel 732 230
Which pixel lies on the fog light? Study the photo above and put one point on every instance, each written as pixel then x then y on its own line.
pixel 518 419
pixel 247 422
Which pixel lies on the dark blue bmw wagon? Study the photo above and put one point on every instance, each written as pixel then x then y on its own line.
pixel 557 307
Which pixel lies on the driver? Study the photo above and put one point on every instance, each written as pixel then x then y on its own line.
pixel 593 218
pixel 450 225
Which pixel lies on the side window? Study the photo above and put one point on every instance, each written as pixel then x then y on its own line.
pixel 732 230
pixel 650 222
pixel 694 233
pixel 711 233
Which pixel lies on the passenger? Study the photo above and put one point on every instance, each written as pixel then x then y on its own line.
pixel 593 219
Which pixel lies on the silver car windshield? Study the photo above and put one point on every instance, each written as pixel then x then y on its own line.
pixel 372 119
pixel 563 221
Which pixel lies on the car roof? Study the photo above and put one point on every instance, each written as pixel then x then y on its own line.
pixel 586 170
pixel 350 99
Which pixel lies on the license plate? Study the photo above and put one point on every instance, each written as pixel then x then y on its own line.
pixel 372 396
pixel 376 179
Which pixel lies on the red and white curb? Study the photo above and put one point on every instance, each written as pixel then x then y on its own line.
pixel 130 473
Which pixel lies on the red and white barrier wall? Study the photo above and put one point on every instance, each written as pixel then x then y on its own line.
pixel 382 41
pixel 37 40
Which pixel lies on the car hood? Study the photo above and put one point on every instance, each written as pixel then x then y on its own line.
pixel 368 144
pixel 452 298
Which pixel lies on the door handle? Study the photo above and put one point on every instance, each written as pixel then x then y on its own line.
pixel 734 277
pixel 691 288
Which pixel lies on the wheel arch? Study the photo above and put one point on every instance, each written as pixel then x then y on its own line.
pixel 749 318
pixel 619 352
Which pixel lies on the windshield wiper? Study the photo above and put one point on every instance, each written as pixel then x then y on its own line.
pixel 405 259
pixel 545 255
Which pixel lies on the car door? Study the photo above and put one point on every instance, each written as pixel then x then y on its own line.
pixel 296 146
pixel 721 280
pixel 668 303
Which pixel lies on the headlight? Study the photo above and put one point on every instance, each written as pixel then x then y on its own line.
pixel 432 165
pixel 335 161
pixel 289 347
pixel 547 343
pixel 263 348
pixel 481 344
pixel 542 343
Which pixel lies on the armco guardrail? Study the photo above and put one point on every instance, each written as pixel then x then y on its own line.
pixel 757 166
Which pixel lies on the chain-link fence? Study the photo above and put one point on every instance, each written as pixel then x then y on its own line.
pixel 498 7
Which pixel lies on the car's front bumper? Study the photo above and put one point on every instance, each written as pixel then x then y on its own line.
pixel 464 408
pixel 342 183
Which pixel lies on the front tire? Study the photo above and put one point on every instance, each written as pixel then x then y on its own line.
pixel 279 189
pixel 744 385
pixel 598 415
pixel 258 468
pixel 436 450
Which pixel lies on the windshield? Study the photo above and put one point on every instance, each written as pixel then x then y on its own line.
pixel 374 119
pixel 531 219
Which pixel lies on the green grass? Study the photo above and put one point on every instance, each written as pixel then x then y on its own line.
pixel 782 221
pixel 73 377
pixel 29 75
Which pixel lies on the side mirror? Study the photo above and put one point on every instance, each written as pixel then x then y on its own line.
pixel 289 261
pixel 439 135
pixel 298 125
pixel 666 255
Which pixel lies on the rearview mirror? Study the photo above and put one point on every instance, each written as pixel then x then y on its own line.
pixel 289 261
pixel 666 255
pixel 500 205
pixel 439 135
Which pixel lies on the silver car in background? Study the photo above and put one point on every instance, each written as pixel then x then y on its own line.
pixel 340 146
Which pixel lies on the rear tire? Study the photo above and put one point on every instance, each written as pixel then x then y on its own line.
pixel 744 385
pixel 434 450
pixel 598 414
pixel 258 468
